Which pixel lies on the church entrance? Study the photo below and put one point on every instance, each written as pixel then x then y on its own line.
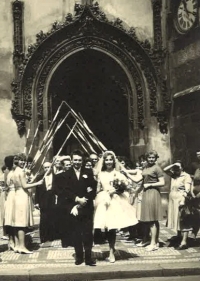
pixel 94 85
pixel 102 70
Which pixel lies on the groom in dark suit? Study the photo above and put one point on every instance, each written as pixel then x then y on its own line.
pixel 80 191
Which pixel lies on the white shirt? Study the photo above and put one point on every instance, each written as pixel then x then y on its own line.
pixel 77 173
pixel 48 181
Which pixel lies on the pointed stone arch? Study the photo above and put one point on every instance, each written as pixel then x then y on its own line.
pixel 88 29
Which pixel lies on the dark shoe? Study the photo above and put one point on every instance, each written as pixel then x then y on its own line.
pixel 90 262
pixel 175 238
pixel 130 240
pixel 78 262
pixel 182 247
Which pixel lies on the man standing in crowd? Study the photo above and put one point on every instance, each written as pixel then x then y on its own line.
pixel 94 158
pixel 45 202
pixel 80 190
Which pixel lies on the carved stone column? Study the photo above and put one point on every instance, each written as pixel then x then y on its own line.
pixel 18 56
pixel 159 58
pixel 18 19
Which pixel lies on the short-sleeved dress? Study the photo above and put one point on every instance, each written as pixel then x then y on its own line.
pixel 23 211
pixel 176 197
pixel 151 200
pixel 2 199
pixel 112 212
pixel 10 201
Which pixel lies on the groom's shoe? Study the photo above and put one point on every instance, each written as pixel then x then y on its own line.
pixel 78 261
pixel 90 262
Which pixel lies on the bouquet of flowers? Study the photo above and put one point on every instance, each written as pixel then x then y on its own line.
pixel 120 185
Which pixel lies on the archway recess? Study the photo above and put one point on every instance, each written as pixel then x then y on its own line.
pixel 92 82
pixel 91 31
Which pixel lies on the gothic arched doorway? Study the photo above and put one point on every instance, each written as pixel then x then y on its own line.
pixel 92 83
pixel 131 77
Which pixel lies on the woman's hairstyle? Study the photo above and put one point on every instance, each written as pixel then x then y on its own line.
pixel 105 155
pixel 3 168
pixel 19 157
pixel 127 161
pixel 151 152
pixel 8 160
pixel 182 165
pixel 65 159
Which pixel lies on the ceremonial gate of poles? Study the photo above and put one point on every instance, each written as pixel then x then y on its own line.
pixel 102 70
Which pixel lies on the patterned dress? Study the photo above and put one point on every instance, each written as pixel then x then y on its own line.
pixel 177 197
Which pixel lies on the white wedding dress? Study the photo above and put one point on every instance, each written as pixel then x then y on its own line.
pixel 112 211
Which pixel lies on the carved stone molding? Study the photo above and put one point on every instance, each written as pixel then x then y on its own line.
pixel 157 8
pixel 17 10
pixel 162 117
pixel 89 28
pixel 159 57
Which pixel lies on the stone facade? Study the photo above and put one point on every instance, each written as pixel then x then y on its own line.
pixel 184 59
pixel 42 14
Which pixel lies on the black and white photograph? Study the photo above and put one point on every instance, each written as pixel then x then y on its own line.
pixel 100 140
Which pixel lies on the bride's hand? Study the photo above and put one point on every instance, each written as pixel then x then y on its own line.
pixel 111 191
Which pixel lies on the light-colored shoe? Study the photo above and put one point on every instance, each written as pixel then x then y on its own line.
pixel 24 251
pixel 142 244
pixel 152 248
pixel 5 237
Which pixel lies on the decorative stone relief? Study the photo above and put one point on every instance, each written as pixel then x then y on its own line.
pixel 90 28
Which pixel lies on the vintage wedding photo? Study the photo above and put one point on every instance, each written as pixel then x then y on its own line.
pixel 100 140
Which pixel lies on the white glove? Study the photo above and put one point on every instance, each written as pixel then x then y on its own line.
pixel 74 211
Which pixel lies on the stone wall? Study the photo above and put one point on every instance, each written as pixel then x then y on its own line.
pixel 39 15
pixel 9 140
pixel 184 60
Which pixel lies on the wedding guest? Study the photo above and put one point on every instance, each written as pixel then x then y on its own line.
pixel 181 183
pixel 10 202
pixel 88 164
pixel 23 211
pixel 153 180
pixel 45 202
pixel 57 165
pixel 94 158
pixel 3 188
pixel 66 162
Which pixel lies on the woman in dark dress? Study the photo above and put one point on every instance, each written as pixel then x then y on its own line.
pixel 153 180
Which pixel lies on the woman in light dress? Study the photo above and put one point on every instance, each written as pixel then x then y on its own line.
pixel 23 212
pixel 112 210
pixel 10 202
pixel 2 199
pixel 181 183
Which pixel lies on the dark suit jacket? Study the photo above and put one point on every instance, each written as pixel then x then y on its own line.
pixel 45 198
pixel 67 187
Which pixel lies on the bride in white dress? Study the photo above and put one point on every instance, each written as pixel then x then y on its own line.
pixel 112 209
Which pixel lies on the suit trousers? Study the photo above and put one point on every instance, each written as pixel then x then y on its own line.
pixel 83 237
pixel 47 225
